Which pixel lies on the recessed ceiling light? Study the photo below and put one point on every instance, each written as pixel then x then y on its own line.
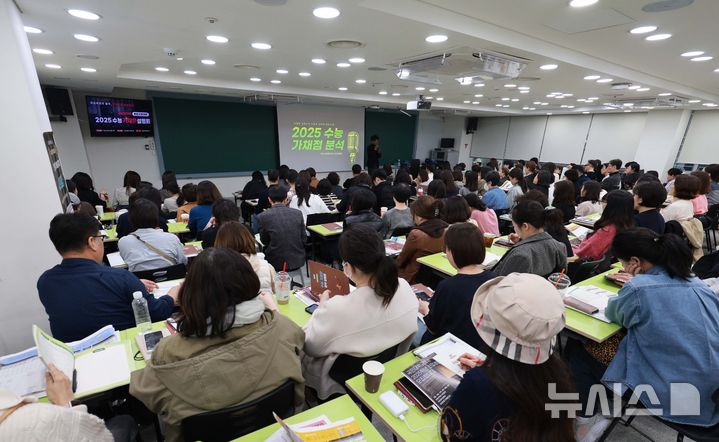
pixel 506 105
pixel 90 70
pixel 478 95
pixel 429 97
pixel 593 98
pixel 189 72
pixel 532 108
pixel 525 108
pixel 592 77
pixel 709 104
pixel 466 102
pixel 627 111
pixel 628 104
pixel 564 106
pixel 343 64
pixel 515 99
pixel 643 89
pixel 32 30
pixel 716 70
pixel 438 38
pixel 693 54
pixel 53 66
pixel 304 74
pixel 523 88
pixel 282 71
pixel 544 104
pixel 634 87
pixel 383 92
pixel 643 29
pixel 255 79
pixel 581 100
pixel 548 67
pixel 567 95
pixel 161 69
pixel 179 59
pixel 585 112
pixel 42 51
pixel 326 12
pixel 581 3
pixel 261 46
pixel 477 102
pixel 510 86
pixel 478 84
pixel 319 61
pixel 361 81
pixel 85 15
pixel 657 37
pixel 396 94
pixel 664 94
pixel 343 89
pixel 419 88
pixel 505 98
pixel 88 57
pixel 89 38
pixel 356 60
pixel 537 102
pixel 217 39
pixel 550 95
pixel 703 58
pixel 440 98
pixel 605 80
pixel 694 101
pixel 434 90
pixel 524 92
pixel 275 81
pixel 496 105
pixel 207 61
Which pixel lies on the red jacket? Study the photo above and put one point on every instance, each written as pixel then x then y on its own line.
pixel 597 244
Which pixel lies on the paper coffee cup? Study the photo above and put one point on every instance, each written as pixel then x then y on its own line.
pixel 373 372
pixel 99 209
pixel 382 210
pixel 185 216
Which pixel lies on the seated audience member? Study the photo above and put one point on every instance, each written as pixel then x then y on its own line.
pixel 361 181
pixel 662 298
pixel 382 190
pixel 148 247
pixel 398 216
pixel 81 295
pixel 86 190
pixel 471 184
pixel 448 309
pixel 282 231
pixel 324 191
pixel 458 179
pixel 292 176
pixel 422 177
pixel 455 210
pixel 672 174
pixel 186 201
pixel 349 182
pixel 713 196
pixel 518 318
pixel 168 177
pixel 305 201
pixel 313 177
pixel 224 325
pixel 379 314
pixel 207 194
pixel 553 219
pixel 253 189
pixel 682 192
pixel 530 170
pixel 613 180
pixel 124 225
pixel 121 196
pixel 542 181
pixel 403 177
pixel 437 189
pixel 485 217
pixel 589 199
pixel 236 236
pixel 448 180
pixel 425 238
pixel 389 172
pixel 222 211
pixel 334 180
pixel 700 202
pixel 23 419
pixel 273 179
pixel 170 203
pixel 74 200
pixel 362 210
pixel 631 175
pixel 618 215
pixel 495 198
pixel 564 199
pixel 519 186
pixel 535 250
pixel 86 209
pixel 648 199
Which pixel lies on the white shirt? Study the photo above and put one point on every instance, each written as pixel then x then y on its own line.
pixel 121 196
pixel 316 205
pixel 139 257
pixel 678 210
pixel 587 208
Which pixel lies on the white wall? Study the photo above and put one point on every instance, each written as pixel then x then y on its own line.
pixel 27 249
pixel 429 132
pixel 454 127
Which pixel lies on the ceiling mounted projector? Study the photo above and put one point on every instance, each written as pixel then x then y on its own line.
pixel 419 104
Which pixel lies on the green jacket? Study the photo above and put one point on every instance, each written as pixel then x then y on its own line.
pixel 188 376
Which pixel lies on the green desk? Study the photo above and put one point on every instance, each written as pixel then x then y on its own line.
pixel 295 310
pixel 111 234
pixel 335 410
pixel 108 216
pixel 587 326
pixel 440 263
pixel 415 418
pixel 177 227
pixel 324 231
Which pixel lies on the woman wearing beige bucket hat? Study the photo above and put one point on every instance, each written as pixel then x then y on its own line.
pixel 503 397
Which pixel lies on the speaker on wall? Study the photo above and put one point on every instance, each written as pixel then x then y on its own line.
pixel 472 124
pixel 57 100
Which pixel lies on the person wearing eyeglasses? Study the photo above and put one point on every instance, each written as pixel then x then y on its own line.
pixel 81 295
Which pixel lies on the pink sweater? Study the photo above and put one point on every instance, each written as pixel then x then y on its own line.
pixel 486 220
pixel 597 244
pixel 700 204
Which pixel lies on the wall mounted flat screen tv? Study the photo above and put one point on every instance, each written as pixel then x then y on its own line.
pixel 119 117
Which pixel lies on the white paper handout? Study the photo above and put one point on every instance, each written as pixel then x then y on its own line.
pixel 593 296
pixel 446 350
pixel 490 259
pixel 164 287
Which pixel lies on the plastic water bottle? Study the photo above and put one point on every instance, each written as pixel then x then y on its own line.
pixel 142 314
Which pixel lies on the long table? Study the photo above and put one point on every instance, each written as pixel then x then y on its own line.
pixel 440 263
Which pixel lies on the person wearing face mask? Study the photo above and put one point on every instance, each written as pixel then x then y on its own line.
pixel 672 324
pixel 379 314
pixel 534 251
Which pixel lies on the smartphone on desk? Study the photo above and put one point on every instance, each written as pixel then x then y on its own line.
pixel 152 339
pixel 311 308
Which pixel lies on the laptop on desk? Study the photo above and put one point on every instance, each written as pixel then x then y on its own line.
pixel 324 277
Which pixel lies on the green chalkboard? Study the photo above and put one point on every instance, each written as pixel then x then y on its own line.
pixel 215 137
pixel 397 133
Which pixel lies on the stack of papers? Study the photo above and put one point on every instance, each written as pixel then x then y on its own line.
pixel 594 296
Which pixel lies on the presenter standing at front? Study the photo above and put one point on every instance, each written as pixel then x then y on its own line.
pixel 373 154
